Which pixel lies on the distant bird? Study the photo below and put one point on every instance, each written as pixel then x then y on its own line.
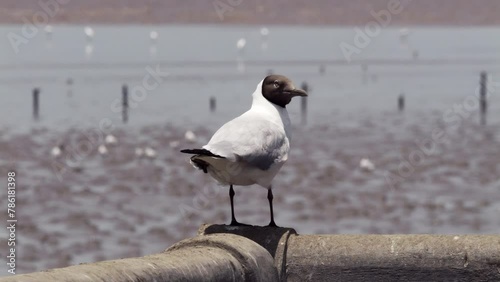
pixel 241 43
pixel 150 153
pixel 48 32
pixel 110 139
pixel 48 29
pixel 103 151
pixel 153 35
pixel 403 35
pixel 264 31
pixel 253 147
pixel 190 136
pixel 89 32
pixel 366 165
pixel 57 151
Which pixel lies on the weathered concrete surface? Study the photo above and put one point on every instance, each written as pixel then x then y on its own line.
pixel 393 258
pixel 245 253
pixel 218 257
pixel 273 239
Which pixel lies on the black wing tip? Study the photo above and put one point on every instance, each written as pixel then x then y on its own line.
pixel 203 152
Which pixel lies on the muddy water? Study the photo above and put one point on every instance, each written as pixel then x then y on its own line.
pixel 122 206
pixel 84 207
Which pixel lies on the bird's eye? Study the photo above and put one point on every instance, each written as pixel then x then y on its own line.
pixel 276 84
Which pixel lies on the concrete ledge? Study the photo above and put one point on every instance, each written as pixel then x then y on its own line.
pixel 393 258
pixel 219 257
pixel 274 240
pixel 250 253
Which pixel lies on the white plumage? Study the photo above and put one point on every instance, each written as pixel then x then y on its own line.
pixel 102 150
pixel 366 165
pixel 110 139
pixel 253 147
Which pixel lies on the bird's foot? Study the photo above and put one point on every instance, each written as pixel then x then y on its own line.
pixel 272 224
pixel 236 223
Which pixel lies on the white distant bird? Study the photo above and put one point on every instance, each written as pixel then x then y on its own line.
pixel 403 35
pixel 153 35
pixel 103 151
pixel 190 136
pixel 89 32
pixel 366 165
pixel 241 43
pixel 48 29
pixel 110 139
pixel 264 32
pixel 57 151
pixel 150 153
pixel 253 147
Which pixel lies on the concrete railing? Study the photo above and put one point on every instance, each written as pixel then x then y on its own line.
pixel 225 253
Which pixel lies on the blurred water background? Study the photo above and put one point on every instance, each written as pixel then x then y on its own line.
pixel 120 205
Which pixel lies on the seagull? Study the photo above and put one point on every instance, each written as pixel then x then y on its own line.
pixel 366 165
pixel 102 150
pixel 110 139
pixel 57 151
pixel 89 32
pixel 190 136
pixel 153 35
pixel 253 147
pixel 150 153
pixel 241 43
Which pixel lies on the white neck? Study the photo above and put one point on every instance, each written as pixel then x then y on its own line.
pixel 273 112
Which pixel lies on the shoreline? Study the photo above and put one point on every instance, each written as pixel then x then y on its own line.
pixel 258 12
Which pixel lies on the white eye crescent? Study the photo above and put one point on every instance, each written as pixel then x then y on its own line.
pixel 276 84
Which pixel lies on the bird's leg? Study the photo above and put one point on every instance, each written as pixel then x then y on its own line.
pixel 233 218
pixel 231 196
pixel 270 198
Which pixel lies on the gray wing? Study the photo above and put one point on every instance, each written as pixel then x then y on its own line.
pixel 259 143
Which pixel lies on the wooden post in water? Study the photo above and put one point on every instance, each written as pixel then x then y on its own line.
pixel 36 103
pixel 303 104
pixel 69 83
pixel 401 102
pixel 213 104
pixel 322 69
pixel 482 98
pixel 125 103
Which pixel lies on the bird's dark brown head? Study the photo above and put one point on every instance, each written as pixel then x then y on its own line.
pixel 279 90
